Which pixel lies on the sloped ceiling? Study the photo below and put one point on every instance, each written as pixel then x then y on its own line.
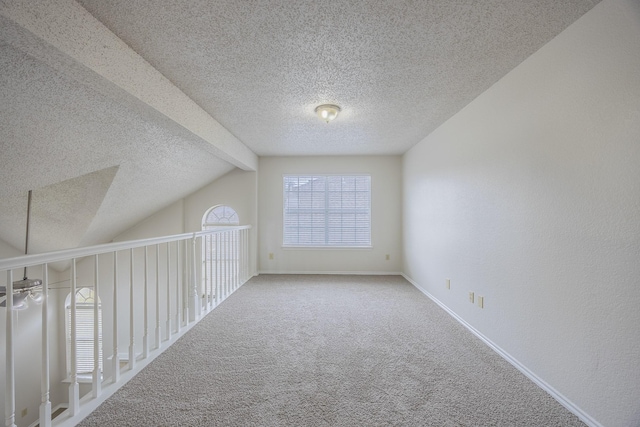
pixel 57 134
pixel 143 102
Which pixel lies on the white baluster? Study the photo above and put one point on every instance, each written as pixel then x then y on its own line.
pixel 223 269
pixel 186 287
pixel 220 265
pixel 223 265
pixel 168 291
pixel 178 289
pixel 97 374
pixel 207 272
pixel 193 288
pixel 216 265
pixel 241 256
pixel 232 261
pixel 10 382
pixel 158 332
pixel 227 245
pixel 132 341
pixel 203 270
pixel 45 403
pixel 212 277
pixel 145 335
pixel 246 254
pixel 236 257
pixel 115 360
pixel 74 390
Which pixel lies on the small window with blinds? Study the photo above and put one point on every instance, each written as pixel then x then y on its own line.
pixel 327 211
pixel 84 331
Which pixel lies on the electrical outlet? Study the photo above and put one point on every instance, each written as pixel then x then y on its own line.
pixel 448 283
pixel 387 257
pixel 480 301
pixel 471 297
pixel 270 255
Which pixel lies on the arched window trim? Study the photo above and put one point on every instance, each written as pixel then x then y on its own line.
pixel 220 216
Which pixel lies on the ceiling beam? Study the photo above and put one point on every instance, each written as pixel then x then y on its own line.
pixel 115 69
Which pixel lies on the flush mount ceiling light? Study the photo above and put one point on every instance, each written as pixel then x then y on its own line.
pixel 327 112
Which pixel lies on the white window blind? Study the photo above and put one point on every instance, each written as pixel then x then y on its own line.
pixel 327 210
pixel 84 332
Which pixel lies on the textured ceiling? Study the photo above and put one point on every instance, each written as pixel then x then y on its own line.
pixel 398 68
pixel 112 112
pixel 96 166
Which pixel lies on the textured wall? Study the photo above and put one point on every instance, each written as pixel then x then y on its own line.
pixel 385 216
pixel 529 197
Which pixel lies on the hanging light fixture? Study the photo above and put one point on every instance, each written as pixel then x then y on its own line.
pixel 26 287
pixel 327 112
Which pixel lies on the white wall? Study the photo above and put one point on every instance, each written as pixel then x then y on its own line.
pixel 386 216
pixel 8 251
pixel 530 197
pixel 237 189
pixel 166 222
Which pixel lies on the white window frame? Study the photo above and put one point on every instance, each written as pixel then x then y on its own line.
pixel 84 334
pixel 226 220
pixel 325 211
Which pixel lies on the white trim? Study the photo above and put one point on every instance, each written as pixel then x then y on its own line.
pixel 67 254
pixel 355 273
pixel 572 407
pixel 324 248
pixel 83 378
pixel 53 411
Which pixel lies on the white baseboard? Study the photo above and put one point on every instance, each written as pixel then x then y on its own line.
pixel 573 408
pixel 354 273
pixel 53 411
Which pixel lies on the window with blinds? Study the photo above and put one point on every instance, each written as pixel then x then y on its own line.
pixel 327 210
pixel 84 331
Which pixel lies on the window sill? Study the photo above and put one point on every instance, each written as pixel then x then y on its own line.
pixel 326 248
pixel 81 379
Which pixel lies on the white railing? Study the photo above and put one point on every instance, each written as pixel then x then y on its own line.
pixel 166 290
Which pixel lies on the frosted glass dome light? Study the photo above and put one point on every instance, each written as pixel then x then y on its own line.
pixel 327 112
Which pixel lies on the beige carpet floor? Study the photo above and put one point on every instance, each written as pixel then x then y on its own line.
pixel 291 350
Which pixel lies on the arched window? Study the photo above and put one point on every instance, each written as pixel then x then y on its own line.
pixel 220 215
pixel 220 249
pixel 85 298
